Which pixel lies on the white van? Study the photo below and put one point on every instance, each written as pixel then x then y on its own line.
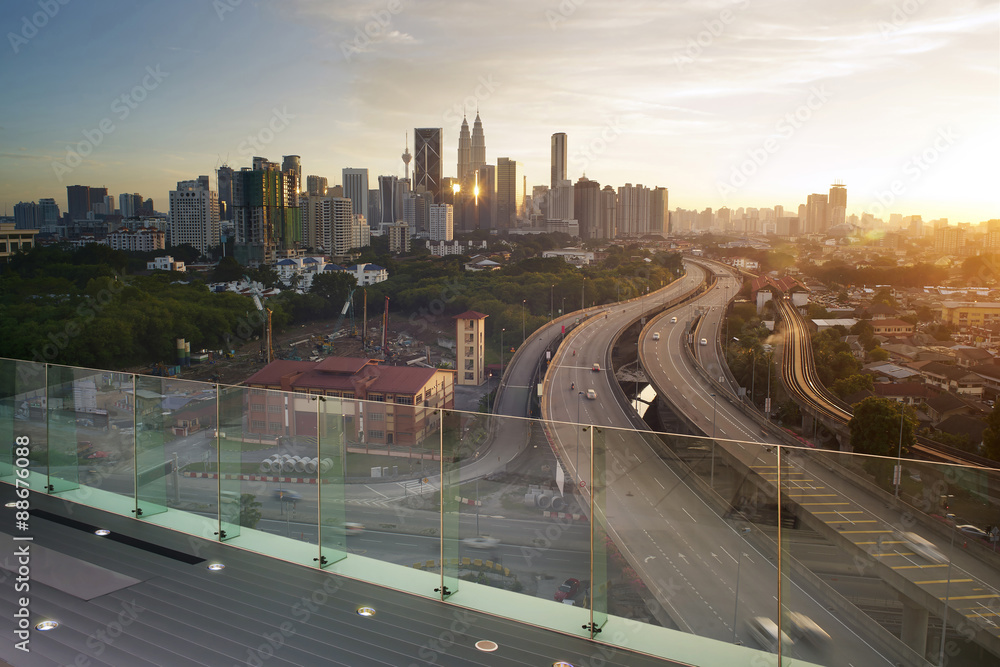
pixel 765 632
pixel 704 341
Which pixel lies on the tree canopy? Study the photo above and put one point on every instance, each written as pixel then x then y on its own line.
pixel 875 427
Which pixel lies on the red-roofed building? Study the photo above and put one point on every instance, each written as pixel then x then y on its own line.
pixel 763 288
pixel 470 347
pixel 385 405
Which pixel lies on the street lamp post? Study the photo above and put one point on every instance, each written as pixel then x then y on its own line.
pixel 478 533
pixel 753 373
pixel 523 301
pixel 563 310
pixel 583 291
pixel 551 302
pixel 947 592
pixel 579 402
pixel 500 381
pixel 739 563
pixel 898 472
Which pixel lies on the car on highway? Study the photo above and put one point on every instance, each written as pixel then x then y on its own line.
pixel 287 495
pixel 568 589
pixel 969 529
pixel 481 542
pixel 673 320
pixel 591 394
pixel 704 341
pixel 656 335
pixel 921 546
pixel 803 627
pixel 764 631
pixel 596 368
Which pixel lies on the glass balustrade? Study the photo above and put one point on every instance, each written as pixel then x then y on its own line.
pixel 705 551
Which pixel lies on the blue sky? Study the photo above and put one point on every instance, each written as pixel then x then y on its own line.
pixel 738 103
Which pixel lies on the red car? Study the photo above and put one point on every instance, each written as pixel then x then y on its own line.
pixel 569 589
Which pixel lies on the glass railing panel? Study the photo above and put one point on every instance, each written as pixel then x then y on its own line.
pixel 150 461
pixel 224 463
pixel 336 533
pixel 454 429
pixel 600 584
pixel 70 393
pixel 22 415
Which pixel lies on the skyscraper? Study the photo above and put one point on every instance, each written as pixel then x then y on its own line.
pixel 427 172
pixel 478 158
pixel 560 204
pixel 837 210
pixel 558 159
pixel 356 189
pixel 194 215
pixel 48 212
pixel 78 201
pixel 587 207
pixel 464 152
pixel 26 215
pixel 816 214
pixel 510 192
pixel 224 179
pixel 266 212
pixel 486 195
pixel 633 210
pixel 442 222
pixel 659 212
pixel 97 196
pixel 609 213
pixel 316 185
pixel 388 193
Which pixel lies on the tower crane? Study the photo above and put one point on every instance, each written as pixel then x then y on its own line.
pixel 267 350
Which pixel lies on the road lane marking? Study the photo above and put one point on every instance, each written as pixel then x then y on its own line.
pixel 912 567
pixel 970 597
pixel 841 512
pixel 689 514
pixel 943 581
pixel 855 532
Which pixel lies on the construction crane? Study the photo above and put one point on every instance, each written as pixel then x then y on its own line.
pixel 267 351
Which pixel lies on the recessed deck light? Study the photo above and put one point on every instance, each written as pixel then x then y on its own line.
pixel 43 626
pixel 366 611
pixel 486 645
pixel 215 567
pixel 562 663
pixel 12 503
pixel 102 532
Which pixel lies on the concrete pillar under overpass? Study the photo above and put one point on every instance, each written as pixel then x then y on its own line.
pixel 807 423
pixel 914 631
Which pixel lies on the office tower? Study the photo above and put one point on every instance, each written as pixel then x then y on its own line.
pixel 587 207
pixel 374 212
pixel 147 207
pixel 126 204
pixel 427 172
pixel 194 215
pixel 485 191
pixel 558 159
pixel 356 188
pixel 633 210
pixel 608 221
pixel 97 196
pixel 316 185
pixel 266 214
pixel 837 212
pixel 109 205
pixel 478 158
pixel 78 201
pixel 442 222
pixel 659 212
pixel 26 215
pixel 224 179
pixel 560 204
pixel 406 159
pixel 388 195
pixel 510 192
pixel 464 152
pixel 48 212
pixel 816 214
pixel 292 163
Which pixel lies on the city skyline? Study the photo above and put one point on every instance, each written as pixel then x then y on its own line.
pixel 728 104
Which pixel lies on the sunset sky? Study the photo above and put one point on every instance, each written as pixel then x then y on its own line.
pixel 745 103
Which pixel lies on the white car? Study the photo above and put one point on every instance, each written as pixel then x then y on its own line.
pixel 481 542
pixel 922 546
pixel 656 335
pixel 704 341
pixel 673 320
pixel 591 394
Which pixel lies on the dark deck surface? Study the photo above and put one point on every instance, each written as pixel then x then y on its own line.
pixel 258 611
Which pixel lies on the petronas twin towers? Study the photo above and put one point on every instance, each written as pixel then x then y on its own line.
pixel 471 149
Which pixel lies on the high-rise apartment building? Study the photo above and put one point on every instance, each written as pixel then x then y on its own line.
pixel 292 163
pixel 356 189
pixel 633 210
pixel 130 204
pixel 561 201
pixel 194 215
pixel 442 222
pixel 267 216
pixel 558 159
pixel 816 214
pixel 609 213
pixel 428 165
pixel 316 185
pixel 510 192
pixel 470 336
pixel 659 212
pixel 97 196
pixel 374 212
pixel 26 215
pixel 587 207
pixel 949 240
pixel 399 236
pixel 837 205
pixel 48 212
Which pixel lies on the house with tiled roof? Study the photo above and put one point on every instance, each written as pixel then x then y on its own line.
pixel 381 405
pixel 945 405
pixel 765 287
